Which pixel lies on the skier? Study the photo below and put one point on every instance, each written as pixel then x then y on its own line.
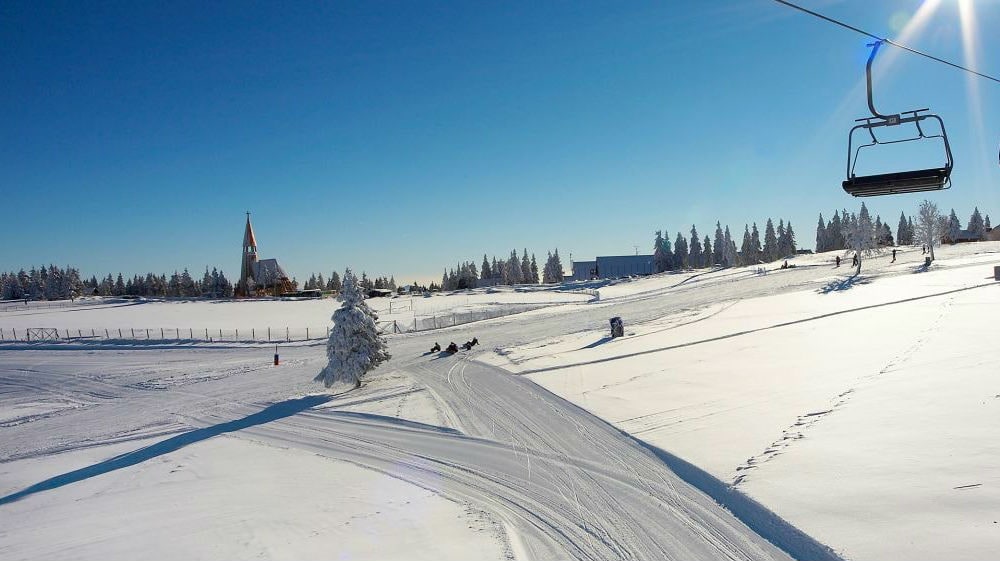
pixel 452 348
pixel 854 260
pixel 436 348
pixel 894 256
pixel 838 261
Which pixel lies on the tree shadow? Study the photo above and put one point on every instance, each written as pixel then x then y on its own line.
pixel 840 285
pixel 270 413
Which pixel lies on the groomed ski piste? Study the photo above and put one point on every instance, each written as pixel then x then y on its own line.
pixel 746 414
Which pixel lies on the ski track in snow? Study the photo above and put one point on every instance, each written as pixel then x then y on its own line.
pixel 548 479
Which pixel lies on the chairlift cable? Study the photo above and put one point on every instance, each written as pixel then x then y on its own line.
pixel 884 39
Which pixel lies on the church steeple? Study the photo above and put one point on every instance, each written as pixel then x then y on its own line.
pixel 249 241
pixel 246 286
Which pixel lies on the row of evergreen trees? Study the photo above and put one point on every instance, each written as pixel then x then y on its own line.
pixel 778 243
pixel 333 283
pixel 510 271
pixel 830 235
pixel 54 283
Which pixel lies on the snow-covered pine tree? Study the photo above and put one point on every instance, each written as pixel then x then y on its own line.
pixel 976 226
pixel 355 346
pixel 729 249
pixel 835 232
pixel 860 236
pixel 755 247
pixel 680 252
pixel 770 249
pixel 821 237
pixel 514 268
pixel 719 246
pixel 557 266
pixel 782 242
pixel 954 229
pixel 930 226
pixel 746 249
pixel 659 264
pixel 694 251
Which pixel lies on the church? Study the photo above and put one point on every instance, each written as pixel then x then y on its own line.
pixel 263 277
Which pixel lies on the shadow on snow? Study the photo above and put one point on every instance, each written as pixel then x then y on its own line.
pixel 273 412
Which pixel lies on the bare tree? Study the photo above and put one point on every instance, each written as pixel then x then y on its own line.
pixel 930 225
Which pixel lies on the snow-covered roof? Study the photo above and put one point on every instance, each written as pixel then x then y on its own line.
pixel 267 271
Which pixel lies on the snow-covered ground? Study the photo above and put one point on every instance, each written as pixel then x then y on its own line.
pixel 861 411
pixel 184 318
pixel 857 413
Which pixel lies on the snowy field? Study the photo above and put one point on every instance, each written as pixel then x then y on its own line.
pixel 186 318
pixel 824 409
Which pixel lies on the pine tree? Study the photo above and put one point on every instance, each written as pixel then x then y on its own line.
pixel 729 249
pixel 746 249
pixel 861 236
pixel 976 225
pixel 719 247
pixel 901 237
pixel 790 246
pixel 835 232
pixel 694 253
pixel 485 271
pixel 534 270
pixel 756 250
pixel 334 282
pixel 514 268
pixel 525 267
pixel 659 258
pixel 355 346
pixel 680 252
pixel 770 249
pixel 821 236
pixel 986 223
pixel 706 253
pixel 954 229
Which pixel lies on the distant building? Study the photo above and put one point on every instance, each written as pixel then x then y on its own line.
pixel 584 270
pixel 965 236
pixel 485 283
pixel 613 266
pixel 259 278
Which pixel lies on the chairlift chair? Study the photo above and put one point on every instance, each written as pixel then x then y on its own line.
pixel 913 181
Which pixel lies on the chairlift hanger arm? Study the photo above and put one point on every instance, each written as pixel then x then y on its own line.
pixel 890 119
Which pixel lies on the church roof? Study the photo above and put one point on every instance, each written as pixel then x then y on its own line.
pixel 248 237
pixel 268 272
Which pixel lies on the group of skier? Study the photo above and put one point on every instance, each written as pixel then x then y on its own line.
pixel 452 348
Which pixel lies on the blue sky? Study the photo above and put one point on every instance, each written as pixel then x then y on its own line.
pixel 402 137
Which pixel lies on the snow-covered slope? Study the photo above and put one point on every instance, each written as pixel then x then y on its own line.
pixel 816 408
pixel 861 410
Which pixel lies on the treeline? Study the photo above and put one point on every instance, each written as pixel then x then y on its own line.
pixel 832 234
pixel 54 283
pixel 697 252
pixel 334 284
pixel 510 271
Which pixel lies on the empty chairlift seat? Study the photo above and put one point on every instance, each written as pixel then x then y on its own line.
pixel 915 181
